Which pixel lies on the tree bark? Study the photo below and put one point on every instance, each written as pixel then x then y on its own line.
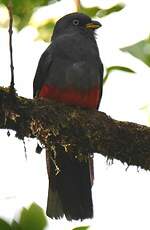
pixel 79 131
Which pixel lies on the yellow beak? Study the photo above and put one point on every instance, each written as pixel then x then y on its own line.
pixel 93 25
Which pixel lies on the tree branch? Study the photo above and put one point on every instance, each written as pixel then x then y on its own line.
pixel 74 129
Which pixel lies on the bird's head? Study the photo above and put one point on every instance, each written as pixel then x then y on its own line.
pixel 75 22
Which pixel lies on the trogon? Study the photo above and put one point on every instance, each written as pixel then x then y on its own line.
pixel 70 71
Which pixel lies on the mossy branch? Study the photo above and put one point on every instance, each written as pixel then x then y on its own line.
pixel 74 129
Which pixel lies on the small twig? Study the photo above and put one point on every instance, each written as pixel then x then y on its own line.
pixel 78 4
pixel 10 9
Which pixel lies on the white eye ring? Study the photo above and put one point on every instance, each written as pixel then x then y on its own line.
pixel 75 22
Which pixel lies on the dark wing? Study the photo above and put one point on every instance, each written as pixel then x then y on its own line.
pixel 42 70
pixel 101 72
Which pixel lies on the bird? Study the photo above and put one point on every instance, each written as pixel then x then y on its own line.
pixel 70 71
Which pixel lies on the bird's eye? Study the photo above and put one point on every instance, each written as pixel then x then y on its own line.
pixel 75 22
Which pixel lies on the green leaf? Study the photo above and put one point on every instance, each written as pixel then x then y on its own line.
pixel 33 218
pixel 15 225
pixel 4 225
pixel 104 12
pixel 140 50
pixel 23 10
pixel 96 11
pixel 118 68
pixel 90 11
pixel 121 68
pixel 81 228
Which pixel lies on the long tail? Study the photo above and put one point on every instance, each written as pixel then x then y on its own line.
pixel 70 190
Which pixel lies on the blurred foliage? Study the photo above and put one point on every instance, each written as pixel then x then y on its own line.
pixel 140 50
pixel 23 10
pixel 104 12
pixel 45 30
pixel 4 225
pixel 32 218
pixel 118 68
pixel 82 228
pixel 99 12
pixel 92 11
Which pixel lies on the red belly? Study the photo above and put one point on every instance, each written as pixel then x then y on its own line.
pixel 87 99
